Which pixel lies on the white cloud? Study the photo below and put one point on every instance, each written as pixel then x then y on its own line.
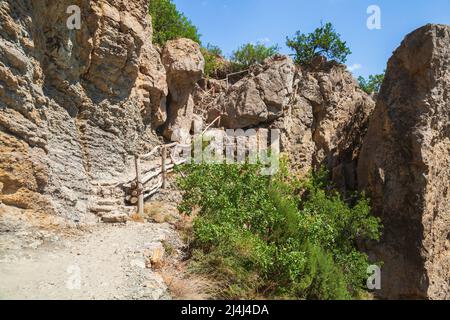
pixel 354 67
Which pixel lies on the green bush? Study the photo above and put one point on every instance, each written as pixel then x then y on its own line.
pixel 372 84
pixel 215 64
pixel 324 41
pixel 275 237
pixel 249 54
pixel 214 50
pixel 169 24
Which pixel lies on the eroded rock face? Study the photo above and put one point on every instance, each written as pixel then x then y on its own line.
pixel 153 82
pixel 258 98
pixel 74 104
pixel 321 111
pixel 184 65
pixel 325 122
pixel 405 167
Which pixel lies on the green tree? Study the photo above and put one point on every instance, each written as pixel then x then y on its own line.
pixel 249 54
pixel 372 84
pixel 169 24
pixel 324 41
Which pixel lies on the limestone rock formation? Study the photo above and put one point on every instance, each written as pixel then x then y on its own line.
pixel 184 65
pixel 405 167
pixel 153 82
pixel 74 104
pixel 326 122
pixel 258 98
pixel 321 111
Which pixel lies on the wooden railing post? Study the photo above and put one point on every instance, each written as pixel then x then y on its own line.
pixel 140 203
pixel 163 165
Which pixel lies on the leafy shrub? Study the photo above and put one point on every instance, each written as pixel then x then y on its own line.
pixel 324 41
pixel 215 64
pixel 169 24
pixel 372 84
pixel 249 54
pixel 276 237
pixel 215 50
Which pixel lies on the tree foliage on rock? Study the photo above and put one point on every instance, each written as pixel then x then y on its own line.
pixel 215 64
pixel 324 41
pixel 372 84
pixel 169 24
pixel 249 54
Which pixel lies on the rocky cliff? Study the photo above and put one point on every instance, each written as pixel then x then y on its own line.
pixel 405 167
pixel 75 105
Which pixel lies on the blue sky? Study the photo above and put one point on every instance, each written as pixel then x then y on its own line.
pixel 230 23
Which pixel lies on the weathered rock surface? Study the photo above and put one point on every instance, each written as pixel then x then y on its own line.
pixel 405 167
pixel 74 104
pixel 258 98
pixel 184 65
pixel 321 111
pixel 325 122
pixel 153 82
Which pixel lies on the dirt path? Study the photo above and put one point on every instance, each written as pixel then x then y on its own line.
pixel 108 262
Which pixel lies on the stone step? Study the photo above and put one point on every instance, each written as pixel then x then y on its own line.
pixel 102 209
pixel 115 218
pixel 107 202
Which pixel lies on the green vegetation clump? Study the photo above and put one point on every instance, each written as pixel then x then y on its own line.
pixel 276 237
pixel 169 24
pixel 215 64
pixel 372 84
pixel 324 41
pixel 249 54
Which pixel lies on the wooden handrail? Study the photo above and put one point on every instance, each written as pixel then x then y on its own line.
pixel 155 150
pixel 234 74
pixel 210 125
pixel 139 189
pixel 151 153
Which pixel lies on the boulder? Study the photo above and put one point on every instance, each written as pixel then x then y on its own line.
pixel 405 168
pixel 321 112
pixel 257 98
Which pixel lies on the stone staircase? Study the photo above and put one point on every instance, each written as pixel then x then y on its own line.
pixel 108 204
pixel 115 200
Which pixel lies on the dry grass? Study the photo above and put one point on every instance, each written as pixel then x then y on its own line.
pixel 185 226
pixel 187 286
pixel 137 218
pixel 160 212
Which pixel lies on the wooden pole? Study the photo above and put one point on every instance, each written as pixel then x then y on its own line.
pixel 140 203
pixel 163 166
pixel 211 124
